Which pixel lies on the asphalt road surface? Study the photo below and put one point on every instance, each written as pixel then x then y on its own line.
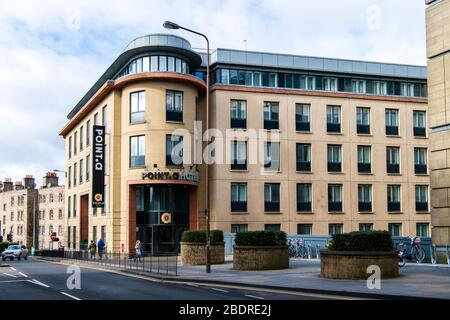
pixel 41 280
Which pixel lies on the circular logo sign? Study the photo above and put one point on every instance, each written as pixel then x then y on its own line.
pixel 98 197
pixel 166 218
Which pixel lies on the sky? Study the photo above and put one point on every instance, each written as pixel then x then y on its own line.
pixel 52 51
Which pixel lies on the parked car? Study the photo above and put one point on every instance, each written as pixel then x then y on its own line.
pixel 15 251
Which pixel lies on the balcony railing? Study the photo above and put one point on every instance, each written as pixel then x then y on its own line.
pixel 334 167
pixel 419 132
pixel 394 206
pixel 364 167
pixel 270 206
pixel 392 130
pixel 334 206
pixel 271 125
pixel 238 123
pixel 174 116
pixel 302 126
pixel 393 168
pixel 364 206
pixel 420 168
pixel 238 206
pixel 303 206
pixel 421 206
pixel 303 166
pixel 239 165
pixel 333 127
pixel 363 128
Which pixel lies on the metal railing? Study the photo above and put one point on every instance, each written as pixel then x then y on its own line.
pixel 163 264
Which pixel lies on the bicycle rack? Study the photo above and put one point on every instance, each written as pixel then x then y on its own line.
pixel 308 248
pixel 434 248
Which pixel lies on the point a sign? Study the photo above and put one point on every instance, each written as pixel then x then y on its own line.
pixel 98 166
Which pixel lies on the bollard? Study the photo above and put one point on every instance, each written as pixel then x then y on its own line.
pixel 432 252
pixel 317 252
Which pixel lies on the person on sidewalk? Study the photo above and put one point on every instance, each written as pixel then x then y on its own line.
pixel 138 248
pixel 100 248
pixel 92 249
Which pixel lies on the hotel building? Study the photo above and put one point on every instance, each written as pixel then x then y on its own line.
pixel 351 151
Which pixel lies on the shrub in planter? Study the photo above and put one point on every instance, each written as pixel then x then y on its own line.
pixel 260 250
pixel 350 254
pixel 193 247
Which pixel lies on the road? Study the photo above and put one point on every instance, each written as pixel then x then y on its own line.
pixel 40 280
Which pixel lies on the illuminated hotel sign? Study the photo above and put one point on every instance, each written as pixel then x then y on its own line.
pixel 98 167
pixel 184 176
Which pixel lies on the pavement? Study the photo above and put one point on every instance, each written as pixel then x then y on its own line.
pixel 419 281
pixel 37 279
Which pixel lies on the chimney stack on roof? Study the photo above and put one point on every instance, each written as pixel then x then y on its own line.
pixel 7 185
pixel 28 182
pixel 50 180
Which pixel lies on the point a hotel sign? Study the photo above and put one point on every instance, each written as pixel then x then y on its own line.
pixel 98 167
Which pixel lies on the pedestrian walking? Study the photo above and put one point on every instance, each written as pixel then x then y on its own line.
pixel 100 248
pixel 92 249
pixel 138 248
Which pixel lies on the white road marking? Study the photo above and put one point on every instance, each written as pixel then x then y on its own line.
pixel 9 275
pixel 39 283
pixel 13 269
pixel 23 274
pixel 255 297
pixel 70 296
pixel 221 290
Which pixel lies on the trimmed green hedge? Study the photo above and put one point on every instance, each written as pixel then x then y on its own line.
pixel 362 241
pixel 4 245
pixel 199 236
pixel 261 238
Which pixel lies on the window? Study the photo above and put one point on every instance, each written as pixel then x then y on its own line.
pixel 238 197
pixel 60 197
pixel 335 198
pixel 366 227
pixel 304 229
pixel 271 115
pixel 393 197
pixel 60 214
pixel 420 160
pixel 362 120
pixel 75 141
pixel 272 227
pixel 51 198
pixel 303 155
pixel 74 206
pixel 333 119
pixel 137 107
pixel 238 112
pixel 395 229
pixel 174 106
pixel 137 151
pixel 69 204
pixel 51 214
pixel 272 197
pixel 364 198
pixel 419 121
pixel 334 158
pixel 307 83
pixel 238 155
pixel 304 197
pixel 88 167
pixel 81 171
pixel 272 156
pixel 81 137
pixel 235 228
pixel 88 132
pixel 379 88
pixel 302 117
pixel 96 119
pixel 335 228
pixel 422 229
pixel 392 159
pixel 74 174
pixel 162 63
pixel 364 159
pixel 70 147
pixel 391 122
pixel 104 115
pixel 421 198
pixel 174 150
pixel 407 89
pixel 358 86
pixel 330 84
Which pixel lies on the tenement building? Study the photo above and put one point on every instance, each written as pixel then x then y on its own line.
pixel 51 223
pixel 17 202
pixel 302 144
pixel 438 52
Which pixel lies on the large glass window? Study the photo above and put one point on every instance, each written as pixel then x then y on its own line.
pixel 366 227
pixel 421 198
pixel 364 159
pixel 365 197
pixel 395 229
pixel 88 167
pixel 271 197
pixel 304 197
pixel 334 158
pixel 174 105
pixel 238 197
pixel 75 174
pixel 335 198
pixel 407 89
pixel 393 197
pixel 303 153
pixel 75 143
pixel 391 122
pixel 238 155
pixel 419 123
pixel 137 151
pixel 380 88
pixel 330 84
pixel 238 112
pixel 81 138
pixel 137 107
pixel 81 170
pixel 235 228
pixel 359 86
pixel 423 229
pixel 174 150
pixel 392 159
pixel 420 160
pixel 302 117
pixel 88 132
pixel 271 115
pixel 362 120
pixel 304 229
pixel 272 156
pixel 334 119
pixel 335 228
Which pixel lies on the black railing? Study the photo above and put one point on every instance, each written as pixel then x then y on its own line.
pixel 392 130
pixel 174 116
pixel 161 264
pixel 393 168
pixel 334 206
pixel 421 206
pixel 302 126
pixel 364 167
pixel 420 168
pixel 303 166
pixel 238 206
pixel 419 132
pixel 394 206
pixel 363 128
pixel 334 127
pixel 238 123
pixel 303 206
pixel 239 165
pixel 334 167
pixel 271 206
pixel 271 125
pixel 364 206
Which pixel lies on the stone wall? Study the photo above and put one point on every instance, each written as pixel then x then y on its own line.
pixel 260 258
pixel 195 253
pixel 353 265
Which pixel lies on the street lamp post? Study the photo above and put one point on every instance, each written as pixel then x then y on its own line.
pixel 34 222
pixel 172 25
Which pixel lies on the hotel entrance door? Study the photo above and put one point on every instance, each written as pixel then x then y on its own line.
pixel 166 239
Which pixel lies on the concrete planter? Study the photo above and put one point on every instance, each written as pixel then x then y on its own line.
pixel 194 253
pixel 260 258
pixel 354 264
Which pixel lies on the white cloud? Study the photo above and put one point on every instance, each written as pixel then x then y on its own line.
pixel 50 55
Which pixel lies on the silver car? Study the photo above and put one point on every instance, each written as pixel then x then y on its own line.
pixel 15 251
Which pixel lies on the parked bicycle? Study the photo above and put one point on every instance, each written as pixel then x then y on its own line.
pixel 415 253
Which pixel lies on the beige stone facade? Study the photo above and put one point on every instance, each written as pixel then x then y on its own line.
pixel 438 46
